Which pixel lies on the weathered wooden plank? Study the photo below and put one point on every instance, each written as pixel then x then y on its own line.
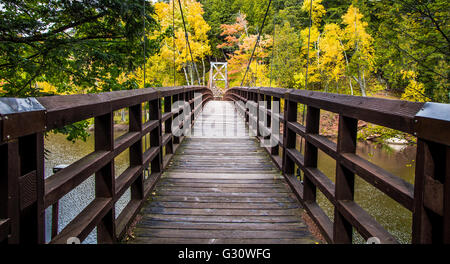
pixel 322 182
pixel 324 144
pixel 364 223
pixel 397 188
pixel 126 216
pixel 67 109
pixel 126 179
pixel 62 182
pixel 246 176
pixel 239 234
pixel 165 179
pixel 221 185
pixel 84 222
pixel 223 219
pixel 221 212
pixel 216 205
pixel 281 189
pixel 321 219
pixel 229 170
pixel 157 240
pixel 219 199
pixel 296 156
pixel 222 226
pixel 220 169
pixel 125 141
pixel 213 194
pixel 166 183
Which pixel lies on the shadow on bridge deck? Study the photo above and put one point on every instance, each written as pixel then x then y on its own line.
pixel 221 187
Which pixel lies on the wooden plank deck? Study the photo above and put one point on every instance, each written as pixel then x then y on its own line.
pixel 221 187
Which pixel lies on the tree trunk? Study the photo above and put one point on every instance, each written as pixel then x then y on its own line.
pixel 191 71
pixel 346 62
pixel 360 82
pixel 122 114
pixel 363 91
pixel 203 64
pixel 186 76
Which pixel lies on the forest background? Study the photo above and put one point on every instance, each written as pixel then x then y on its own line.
pixel 394 49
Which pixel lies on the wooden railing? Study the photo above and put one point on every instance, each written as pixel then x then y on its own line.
pixel 428 199
pixel 25 194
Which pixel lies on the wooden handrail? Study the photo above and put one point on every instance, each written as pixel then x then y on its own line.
pixel 25 194
pixel 428 199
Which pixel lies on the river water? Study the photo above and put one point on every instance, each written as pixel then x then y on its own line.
pixel 396 159
pixel 399 160
pixel 62 151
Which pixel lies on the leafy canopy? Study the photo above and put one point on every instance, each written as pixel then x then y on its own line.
pixel 84 44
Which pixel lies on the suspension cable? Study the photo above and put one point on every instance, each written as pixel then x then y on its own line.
pixel 307 64
pixel 273 51
pixel 255 79
pixel 144 37
pixel 309 39
pixel 256 44
pixel 145 60
pixel 173 43
pixel 187 41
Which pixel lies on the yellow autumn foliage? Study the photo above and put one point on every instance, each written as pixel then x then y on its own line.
pixel 415 91
pixel 197 31
pixel 357 37
pixel 317 10
pixel 332 57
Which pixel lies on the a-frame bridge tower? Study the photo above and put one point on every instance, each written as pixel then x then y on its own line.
pixel 218 72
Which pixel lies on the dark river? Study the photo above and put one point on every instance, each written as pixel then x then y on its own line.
pixel 397 159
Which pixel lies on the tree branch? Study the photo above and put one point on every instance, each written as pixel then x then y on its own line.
pixel 438 28
pixel 41 37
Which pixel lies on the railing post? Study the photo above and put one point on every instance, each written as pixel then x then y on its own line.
pixel 156 135
pixel 276 103
pixel 247 114
pixel 204 96
pixel 186 113
pixel 251 111
pixel 289 136
pixel 268 100
pixel 423 221
pixel 136 152
pixel 31 151
pixel 312 127
pixel 168 123
pixel 192 94
pixel 9 191
pixel 345 179
pixel 22 122
pixel 105 177
pixel 431 215
pixel 431 194
pixel 176 139
pixel 258 109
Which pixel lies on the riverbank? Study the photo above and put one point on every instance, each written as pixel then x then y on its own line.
pixel 329 124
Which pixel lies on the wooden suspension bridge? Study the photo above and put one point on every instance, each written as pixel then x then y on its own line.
pixel 216 183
